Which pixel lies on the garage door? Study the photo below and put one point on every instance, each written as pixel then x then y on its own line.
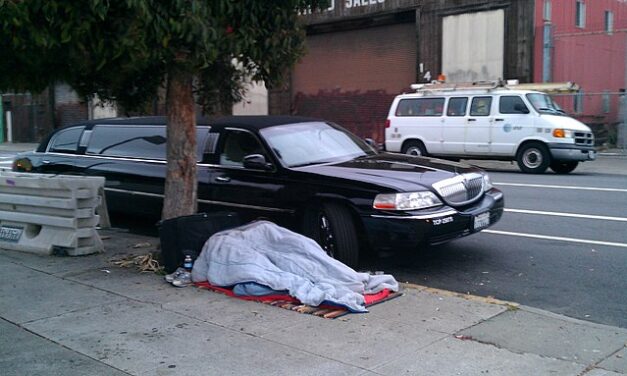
pixel 351 77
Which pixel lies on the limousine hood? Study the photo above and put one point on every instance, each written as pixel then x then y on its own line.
pixel 399 172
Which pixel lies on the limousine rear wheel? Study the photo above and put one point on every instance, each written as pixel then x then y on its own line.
pixel 332 226
pixel 414 148
pixel 533 158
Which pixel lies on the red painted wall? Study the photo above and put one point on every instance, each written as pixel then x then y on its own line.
pixel 589 56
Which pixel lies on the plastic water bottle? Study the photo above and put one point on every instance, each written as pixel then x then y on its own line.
pixel 188 263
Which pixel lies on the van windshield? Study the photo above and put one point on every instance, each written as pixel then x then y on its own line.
pixel 543 103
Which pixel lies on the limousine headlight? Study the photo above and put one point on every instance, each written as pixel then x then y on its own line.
pixel 562 133
pixel 406 201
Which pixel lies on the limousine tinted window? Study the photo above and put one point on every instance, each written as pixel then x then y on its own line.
pixel 66 141
pixel 133 141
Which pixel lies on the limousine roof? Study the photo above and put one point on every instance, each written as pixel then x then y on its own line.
pixel 246 122
pixel 253 122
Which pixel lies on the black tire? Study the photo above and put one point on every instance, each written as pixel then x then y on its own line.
pixel 564 167
pixel 332 226
pixel 414 148
pixel 533 158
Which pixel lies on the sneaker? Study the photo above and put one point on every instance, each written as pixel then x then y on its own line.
pixel 183 280
pixel 171 277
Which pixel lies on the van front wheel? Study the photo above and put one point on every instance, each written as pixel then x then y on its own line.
pixel 564 167
pixel 533 158
pixel 414 148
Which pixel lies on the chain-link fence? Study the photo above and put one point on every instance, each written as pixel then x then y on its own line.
pixel 604 112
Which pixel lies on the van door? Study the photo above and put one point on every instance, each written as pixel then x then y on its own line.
pixel 454 129
pixel 509 124
pixel 478 126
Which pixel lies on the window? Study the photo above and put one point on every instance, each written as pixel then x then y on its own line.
pixel 512 104
pixel 237 145
pixel 547 10
pixel 457 106
pixel 580 16
pixel 578 104
pixel 420 107
pixel 133 141
pixel 606 102
pixel 66 141
pixel 609 21
pixel 480 106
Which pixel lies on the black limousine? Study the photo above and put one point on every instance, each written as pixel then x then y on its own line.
pixel 310 175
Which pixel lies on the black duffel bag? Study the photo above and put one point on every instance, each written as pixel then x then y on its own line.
pixel 186 235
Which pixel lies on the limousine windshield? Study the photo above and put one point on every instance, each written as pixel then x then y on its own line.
pixel 311 143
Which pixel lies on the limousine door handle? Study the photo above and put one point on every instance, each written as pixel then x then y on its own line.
pixel 223 178
pixel 45 161
pixel 499 119
pixel 472 119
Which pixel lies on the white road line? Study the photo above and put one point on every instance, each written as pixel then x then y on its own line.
pixel 562 187
pixel 571 215
pixel 545 237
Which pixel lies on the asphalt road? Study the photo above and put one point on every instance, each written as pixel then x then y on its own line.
pixel 560 246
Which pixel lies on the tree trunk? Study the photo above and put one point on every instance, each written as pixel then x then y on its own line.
pixel 181 181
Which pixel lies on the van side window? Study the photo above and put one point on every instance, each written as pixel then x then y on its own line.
pixel 480 106
pixel 420 107
pixel 66 141
pixel 512 104
pixel 457 106
pixel 133 141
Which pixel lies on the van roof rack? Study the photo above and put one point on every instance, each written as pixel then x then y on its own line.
pixel 443 86
pixel 547 87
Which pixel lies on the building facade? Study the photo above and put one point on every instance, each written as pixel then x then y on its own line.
pixel 362 53
pixel 585 41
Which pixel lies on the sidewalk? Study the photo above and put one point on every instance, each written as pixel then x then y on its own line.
pixel 86 316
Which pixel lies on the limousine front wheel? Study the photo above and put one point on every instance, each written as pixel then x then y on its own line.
pixel 332 226
pixel 533 158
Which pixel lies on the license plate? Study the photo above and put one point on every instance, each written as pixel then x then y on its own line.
pixel 482 221
pixel 10 234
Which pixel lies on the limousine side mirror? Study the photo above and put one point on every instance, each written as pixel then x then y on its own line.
pixel 521 108
pixel 257 162
pixel 372 144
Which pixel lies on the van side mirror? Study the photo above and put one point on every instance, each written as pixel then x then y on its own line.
pixel 521 108
pixel 257 162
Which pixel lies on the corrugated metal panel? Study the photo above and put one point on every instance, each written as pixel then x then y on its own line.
pixel 378 58
pixel 351 77
pixel 473 46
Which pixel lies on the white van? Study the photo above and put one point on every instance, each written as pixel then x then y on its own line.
pixel 488 121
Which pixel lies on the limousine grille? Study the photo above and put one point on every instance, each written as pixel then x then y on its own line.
pixel 461 189
pixel 584 138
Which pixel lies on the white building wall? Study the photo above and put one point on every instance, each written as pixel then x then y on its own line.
pixel 473 46
pixel 255 102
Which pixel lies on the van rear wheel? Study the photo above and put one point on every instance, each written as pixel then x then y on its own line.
pixel 414 148
pixel 533 158
pixel 564 167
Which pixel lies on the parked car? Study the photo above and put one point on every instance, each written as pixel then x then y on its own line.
pixel 488 121
pixel 310 175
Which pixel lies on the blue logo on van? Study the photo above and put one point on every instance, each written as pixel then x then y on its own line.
pixel 507 127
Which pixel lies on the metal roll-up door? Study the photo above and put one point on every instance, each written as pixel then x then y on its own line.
pixel 351 77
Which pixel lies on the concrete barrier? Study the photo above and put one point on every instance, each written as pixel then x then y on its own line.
pixel 51 214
